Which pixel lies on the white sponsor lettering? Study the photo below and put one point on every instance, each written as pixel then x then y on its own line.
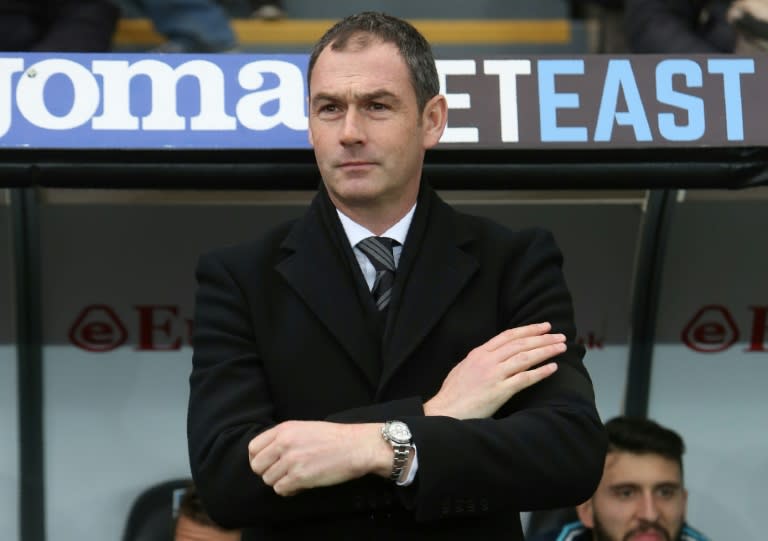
pixel 164 79
pixel 151 95
pixel 109 84
pixel 288 94
pixel 508 70
pixel 456 100
pixel 30 95
pixel 8 66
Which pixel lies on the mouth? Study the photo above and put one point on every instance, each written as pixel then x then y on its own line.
pixel 649 534
pixel 355 165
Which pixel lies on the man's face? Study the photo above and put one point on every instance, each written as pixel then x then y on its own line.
pixel 189 530
pixel 640 498
pixel 366 129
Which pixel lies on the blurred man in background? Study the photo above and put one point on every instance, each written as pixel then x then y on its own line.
pixel 641 496
pixel 57 25
pixel 194 524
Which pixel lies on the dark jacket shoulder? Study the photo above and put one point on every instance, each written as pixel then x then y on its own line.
pixel 573 531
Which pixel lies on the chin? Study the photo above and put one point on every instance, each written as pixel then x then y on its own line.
pixel 360 199
pixel 353 192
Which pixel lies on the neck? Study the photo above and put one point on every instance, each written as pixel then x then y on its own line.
pixel 376 224
pixel 375 218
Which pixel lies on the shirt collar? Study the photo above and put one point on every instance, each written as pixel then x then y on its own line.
pixel 356 232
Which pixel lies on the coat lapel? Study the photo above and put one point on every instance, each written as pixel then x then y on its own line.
pixel 435 269
pixel 317 269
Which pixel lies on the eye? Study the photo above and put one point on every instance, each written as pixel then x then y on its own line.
pixel 668 492
pixel 328 110
pixel 624 493
pixel 378 108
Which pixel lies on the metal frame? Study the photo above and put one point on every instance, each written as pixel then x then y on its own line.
pixel 23 170
pixel 29 338
pixel 687 168
pixel 645 300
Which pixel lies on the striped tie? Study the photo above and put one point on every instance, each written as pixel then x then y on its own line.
pixel 379 252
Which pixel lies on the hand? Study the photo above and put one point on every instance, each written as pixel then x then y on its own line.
pixel 495 371
pixel 297 455
pixel 757 8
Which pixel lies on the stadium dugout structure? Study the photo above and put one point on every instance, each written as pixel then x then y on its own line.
pixel 567 122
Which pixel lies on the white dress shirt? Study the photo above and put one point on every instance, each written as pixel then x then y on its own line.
pixel 355 233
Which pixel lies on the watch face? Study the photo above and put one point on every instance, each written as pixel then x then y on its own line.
pixel 398 432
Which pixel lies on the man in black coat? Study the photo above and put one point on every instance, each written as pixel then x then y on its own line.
pixel 385 366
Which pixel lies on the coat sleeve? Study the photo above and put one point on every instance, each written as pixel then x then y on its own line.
pixel 545 448
pixel 230 403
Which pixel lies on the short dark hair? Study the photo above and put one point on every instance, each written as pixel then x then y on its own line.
pixel 192 508
pixel 642 436
pixel 413 47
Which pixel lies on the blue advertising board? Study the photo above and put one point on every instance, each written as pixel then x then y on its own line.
pixel 143 101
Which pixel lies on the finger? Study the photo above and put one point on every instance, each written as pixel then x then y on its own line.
pixel 515 347
pixel 526 379
pixel 285 488
pixel 286 482
pixel 260 442
pixel 264 459
pixel 275 472
pixel 516 333
pixel 527 359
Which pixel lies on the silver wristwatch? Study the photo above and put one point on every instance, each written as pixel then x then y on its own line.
pixel 398 435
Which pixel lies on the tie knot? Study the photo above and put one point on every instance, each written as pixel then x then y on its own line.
pixel 379 252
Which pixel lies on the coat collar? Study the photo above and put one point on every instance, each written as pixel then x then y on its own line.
pixel 318 267
pixel 434 267
pixel 432 271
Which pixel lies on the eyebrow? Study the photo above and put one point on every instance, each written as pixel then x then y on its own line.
pixel 370 96
pixel 668 484
pixel 619 486
pixel 662 484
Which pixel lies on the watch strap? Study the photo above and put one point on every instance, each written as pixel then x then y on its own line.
pixel 400 440
pixel 400 460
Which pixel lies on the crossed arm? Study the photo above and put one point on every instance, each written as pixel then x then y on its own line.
pixel 299 455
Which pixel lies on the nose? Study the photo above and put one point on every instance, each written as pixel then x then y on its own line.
pixel 649 510
pixel 352 132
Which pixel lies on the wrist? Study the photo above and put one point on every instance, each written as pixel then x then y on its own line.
pixel 378 460
pixel 428 408
pixel 433 408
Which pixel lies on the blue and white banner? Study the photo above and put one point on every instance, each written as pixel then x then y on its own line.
pixel 141 101
pixel 152 101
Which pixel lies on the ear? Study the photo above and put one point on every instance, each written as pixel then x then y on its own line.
pixel 309 128
pixel 586 514
pixel 434 118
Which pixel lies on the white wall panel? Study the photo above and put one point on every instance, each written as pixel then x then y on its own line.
pixel 711 390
